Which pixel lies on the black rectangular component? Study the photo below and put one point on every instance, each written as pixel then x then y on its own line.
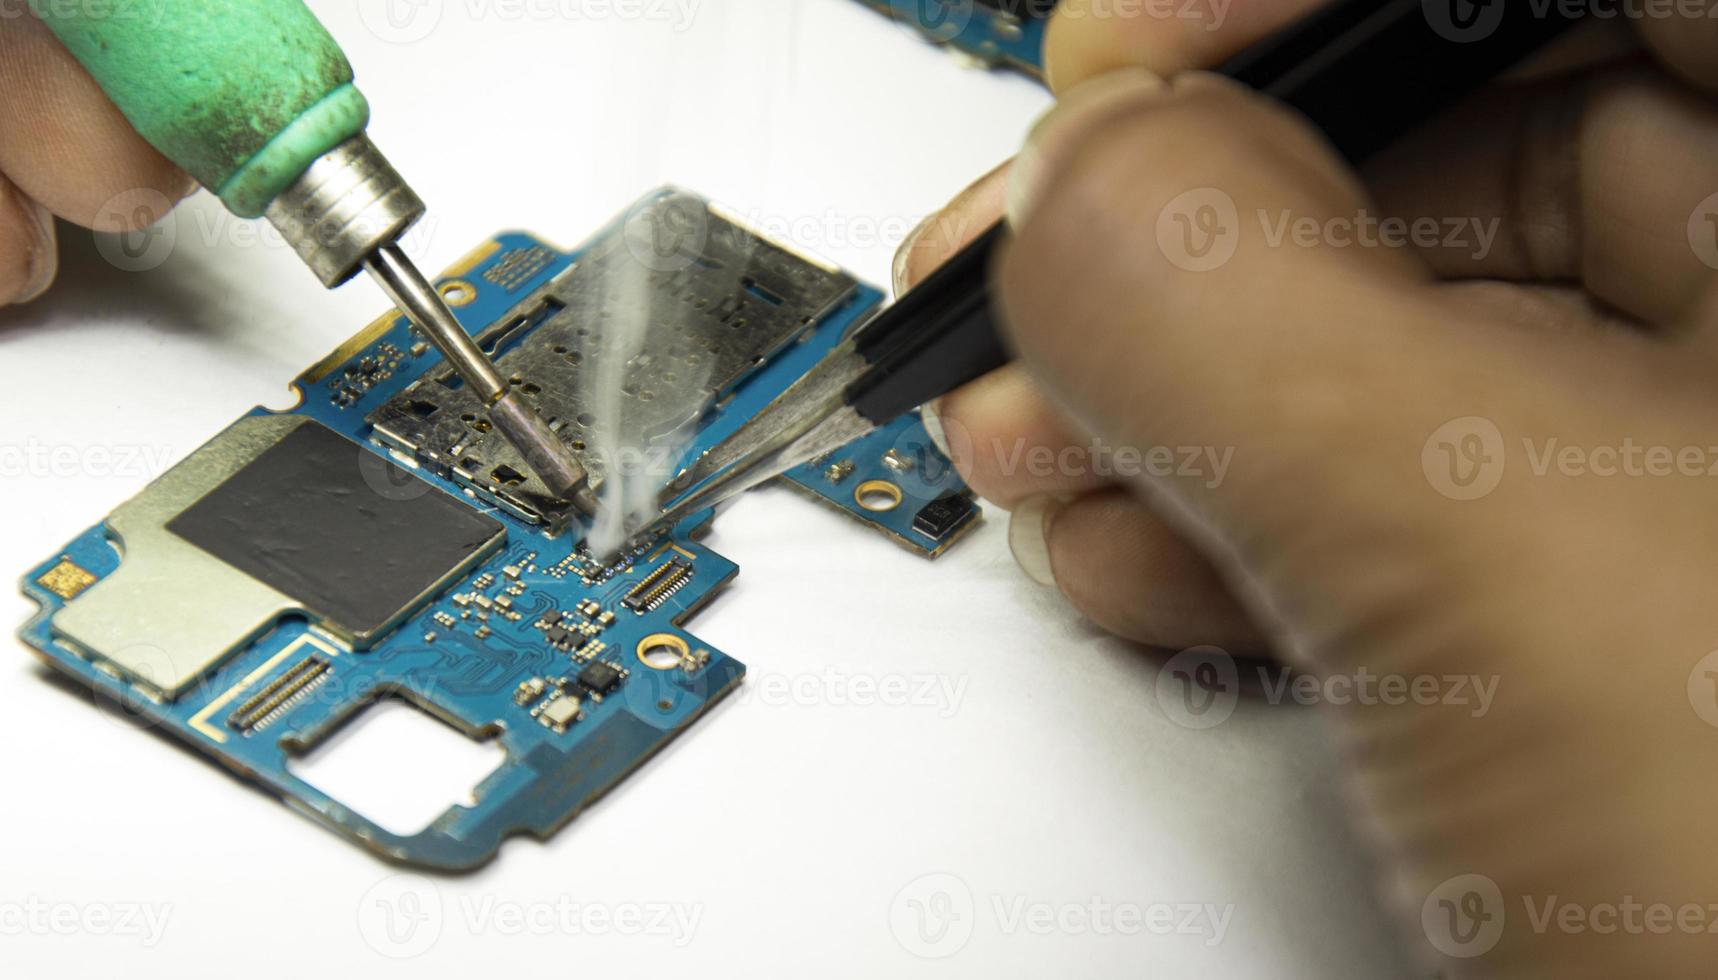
pixel 600 677
pixel 942 515
pixel 354 538
pixel 566 639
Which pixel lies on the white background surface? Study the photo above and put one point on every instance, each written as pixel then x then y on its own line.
pixel 799 828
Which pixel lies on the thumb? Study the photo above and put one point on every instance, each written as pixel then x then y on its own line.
pixel 1185 274
pixel 1194 269
pixel 1189 269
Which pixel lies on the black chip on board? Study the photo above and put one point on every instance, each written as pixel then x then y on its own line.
pixel 354 538
pixel 942 515
pixel 600 677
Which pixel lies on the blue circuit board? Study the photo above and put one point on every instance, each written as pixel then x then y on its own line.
pixel 579 668
pixel 1006 33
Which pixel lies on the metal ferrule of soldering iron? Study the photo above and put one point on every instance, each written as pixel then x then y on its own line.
pixel 346 213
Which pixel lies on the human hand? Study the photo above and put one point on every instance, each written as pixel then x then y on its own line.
pixel 1399 496
pixel 65 151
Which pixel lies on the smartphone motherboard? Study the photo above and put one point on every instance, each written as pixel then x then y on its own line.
pixel 379 541
pixel 1005 33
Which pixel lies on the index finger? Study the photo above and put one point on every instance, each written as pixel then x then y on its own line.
pixel 1091 37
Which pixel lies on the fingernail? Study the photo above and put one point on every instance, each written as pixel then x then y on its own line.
pixel 1029 536
pixel 904 255
pixel 44 251
pixel 933 421
pixel 1087 101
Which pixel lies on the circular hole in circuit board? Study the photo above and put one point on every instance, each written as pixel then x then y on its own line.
pixel 662 651
pixel 877 496
pixel 458 292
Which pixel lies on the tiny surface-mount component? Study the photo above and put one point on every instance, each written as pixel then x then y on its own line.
pixel 66 579
pixel 898 461
pixel 529 691
pixel 600 677
pixel 558 715
pixel 565 639
pixel 942 515
pixel 837 471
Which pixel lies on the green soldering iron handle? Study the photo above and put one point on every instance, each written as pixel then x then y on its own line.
pixel 255 100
